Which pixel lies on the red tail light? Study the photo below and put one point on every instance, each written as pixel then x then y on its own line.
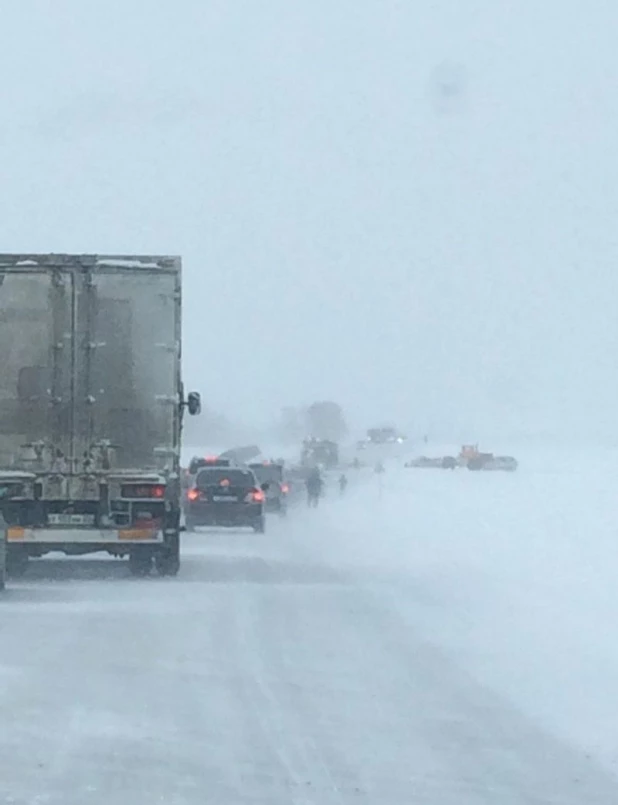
pixel 142 491
pixel 255 496
pixel 285 488
pixel 193 494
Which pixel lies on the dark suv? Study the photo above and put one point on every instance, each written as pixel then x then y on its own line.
pixel 277 489
pixel 225 497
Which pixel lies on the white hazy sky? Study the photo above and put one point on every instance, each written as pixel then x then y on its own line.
pixel 345 234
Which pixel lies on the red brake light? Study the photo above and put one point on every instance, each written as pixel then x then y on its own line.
pixel 143 491
pixel 193 494
pixel 257 496
pixel 285 488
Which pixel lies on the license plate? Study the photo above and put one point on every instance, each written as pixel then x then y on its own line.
pixel 224 498
pixel 70 519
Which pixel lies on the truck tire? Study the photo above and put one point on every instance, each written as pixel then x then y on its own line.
pixel 16 561
pixel 167 561
pixel 140 561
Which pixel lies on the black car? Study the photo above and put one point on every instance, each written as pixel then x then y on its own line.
pixel 196 464
pixel 225 497
pixel 271 473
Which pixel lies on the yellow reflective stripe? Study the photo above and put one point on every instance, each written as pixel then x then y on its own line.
pixel 137 533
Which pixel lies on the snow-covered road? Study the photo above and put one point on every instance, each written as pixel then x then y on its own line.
pixel 389 649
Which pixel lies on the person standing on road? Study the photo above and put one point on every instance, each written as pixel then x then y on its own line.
pixel 343 483
pixel 314 488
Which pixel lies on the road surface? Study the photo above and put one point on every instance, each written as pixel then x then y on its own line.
pixel 269 672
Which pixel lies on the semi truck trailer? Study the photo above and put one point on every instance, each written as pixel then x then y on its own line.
pixel 91 407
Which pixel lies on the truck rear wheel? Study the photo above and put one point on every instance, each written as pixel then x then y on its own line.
pixel 167 561
pixel 16 561
pixel 140 562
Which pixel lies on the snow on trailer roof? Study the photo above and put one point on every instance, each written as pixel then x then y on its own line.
pixel 120 261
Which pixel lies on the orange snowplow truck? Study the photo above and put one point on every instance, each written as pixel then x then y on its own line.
pixel 471 457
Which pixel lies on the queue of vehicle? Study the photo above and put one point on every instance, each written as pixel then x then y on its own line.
pixel 469 457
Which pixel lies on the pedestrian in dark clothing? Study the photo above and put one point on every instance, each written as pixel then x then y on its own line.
pixel 314 488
